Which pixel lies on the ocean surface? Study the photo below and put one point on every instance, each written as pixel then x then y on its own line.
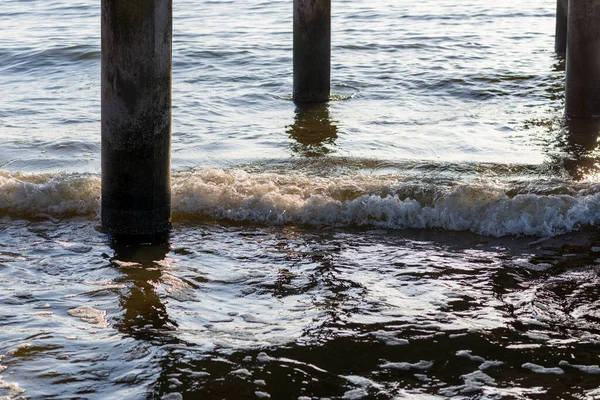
pixel 430 233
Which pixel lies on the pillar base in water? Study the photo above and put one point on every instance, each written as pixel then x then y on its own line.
pixel 136 116
pixel 132 244
pixel 122 223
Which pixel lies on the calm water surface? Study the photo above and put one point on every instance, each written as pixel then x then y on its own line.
pixel 430 233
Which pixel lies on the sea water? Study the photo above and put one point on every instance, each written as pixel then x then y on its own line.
pixel 428 233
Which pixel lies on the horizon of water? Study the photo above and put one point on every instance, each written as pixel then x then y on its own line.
pixel 428 233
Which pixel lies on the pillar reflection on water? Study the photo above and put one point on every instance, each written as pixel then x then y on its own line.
pixel 144 314
pixel 570 143
pixel 313 130
pixel 582 160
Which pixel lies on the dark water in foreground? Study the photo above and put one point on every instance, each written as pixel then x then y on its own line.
pixel 430 233
pixel 230 311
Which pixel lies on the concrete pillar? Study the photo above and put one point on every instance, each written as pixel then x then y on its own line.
pixel 582 98
pixel 560 39
pixel 312 50
pixel 136 116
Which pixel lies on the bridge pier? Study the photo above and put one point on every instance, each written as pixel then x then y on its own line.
pixel 560 39
pixel 312 50
pixel 136 116
pixel 582 99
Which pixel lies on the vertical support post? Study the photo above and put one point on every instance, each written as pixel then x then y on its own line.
pixel 136 116
pixel 560 39
pixel 582 99
pixel 312 50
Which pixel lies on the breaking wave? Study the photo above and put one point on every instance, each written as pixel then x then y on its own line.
pixel 391 202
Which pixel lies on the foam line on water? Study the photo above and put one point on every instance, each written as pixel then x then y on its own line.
pixel 34 195
pixel 392 201
pixel 379 201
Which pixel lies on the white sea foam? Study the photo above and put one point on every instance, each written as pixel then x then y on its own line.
pixel 588 369
pixel 405 366
pixel 542 370
pixel 11 390
pixel 475 382
pixel 49 194
pixel 379 201
pixel 467 354
pixel 90 315
pixel 390 202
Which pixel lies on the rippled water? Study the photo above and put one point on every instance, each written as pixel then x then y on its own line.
pixel 429 233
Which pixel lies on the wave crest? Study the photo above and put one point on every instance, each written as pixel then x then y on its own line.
pixel 391 202
pixel 64 195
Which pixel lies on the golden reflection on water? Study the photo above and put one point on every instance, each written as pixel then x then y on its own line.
pixel 144 312
pixel 581 144
pixel 313 130
pixel 572 147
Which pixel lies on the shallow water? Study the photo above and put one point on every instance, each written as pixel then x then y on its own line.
pixel 429 233
pixel 234 311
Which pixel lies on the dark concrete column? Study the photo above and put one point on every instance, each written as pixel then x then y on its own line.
pixel 560 39
pixel 582 98
pixel 312 50
pixel 136 116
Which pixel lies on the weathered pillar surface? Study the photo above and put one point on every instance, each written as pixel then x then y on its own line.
pixel 136 116
pixel 560 39
pixel 312 50
pixel 582 98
